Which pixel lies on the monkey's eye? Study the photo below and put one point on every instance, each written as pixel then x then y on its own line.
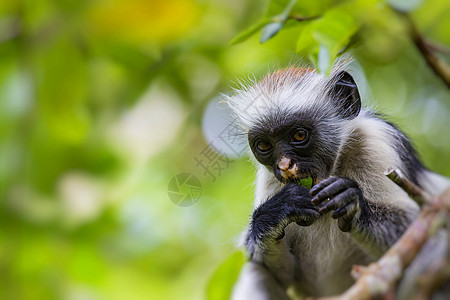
pixel 263 146
pixel 299 136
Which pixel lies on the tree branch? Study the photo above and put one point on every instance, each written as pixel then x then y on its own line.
pixel 439 67
pixel 300 18
pixel 379 278
pixel 416 193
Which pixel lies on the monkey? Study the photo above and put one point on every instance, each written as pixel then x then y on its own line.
pixel 303 124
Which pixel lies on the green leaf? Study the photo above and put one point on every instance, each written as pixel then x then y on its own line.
pixel 333 33
pixel 250 31
pixel 269 31
pixel 306 42
pixel 322 39
pixel 221 283
pixel 306 182
pixel 270 26
pixel 272 29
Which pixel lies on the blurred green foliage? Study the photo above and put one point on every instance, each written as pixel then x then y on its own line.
pixel 101 105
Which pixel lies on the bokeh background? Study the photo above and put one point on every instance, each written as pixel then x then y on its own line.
pixel 101 104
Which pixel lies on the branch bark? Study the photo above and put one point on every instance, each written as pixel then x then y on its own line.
pixel 416 193
pixel 379 278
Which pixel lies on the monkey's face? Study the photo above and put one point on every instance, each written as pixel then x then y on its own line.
pixel 295 147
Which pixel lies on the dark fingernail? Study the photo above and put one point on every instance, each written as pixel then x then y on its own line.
pixel 315 201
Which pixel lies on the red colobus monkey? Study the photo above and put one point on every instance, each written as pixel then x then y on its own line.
pixel 303 124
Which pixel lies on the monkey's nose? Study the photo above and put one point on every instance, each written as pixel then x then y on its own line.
pixel 285 163
pixel 288 168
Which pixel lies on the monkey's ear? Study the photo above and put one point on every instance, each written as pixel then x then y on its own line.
pixel 345 94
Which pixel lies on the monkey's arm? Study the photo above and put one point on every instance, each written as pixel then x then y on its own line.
pixel 272 266
pixel 265 240
pixel 375 223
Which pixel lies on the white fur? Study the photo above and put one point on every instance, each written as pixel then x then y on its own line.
pixel 256 100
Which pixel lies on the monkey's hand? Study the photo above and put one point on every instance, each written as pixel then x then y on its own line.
pixel 291 204
pixel 340 195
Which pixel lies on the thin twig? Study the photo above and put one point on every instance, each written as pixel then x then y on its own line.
pixel 438 48
pixel 415 192
pixel 300 18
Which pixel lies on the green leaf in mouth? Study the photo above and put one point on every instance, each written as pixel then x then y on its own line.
pixel 305 182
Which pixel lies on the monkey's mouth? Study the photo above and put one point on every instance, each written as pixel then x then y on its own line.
pixel 294 176
pixel 289 171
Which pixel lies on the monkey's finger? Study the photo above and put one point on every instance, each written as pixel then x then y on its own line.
pixel 345 223
pixel 349 209
pixel 305 220
pixel 332 190
pixel 340 201
pixel 321 185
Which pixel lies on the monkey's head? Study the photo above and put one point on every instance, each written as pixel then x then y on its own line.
pixel 296 120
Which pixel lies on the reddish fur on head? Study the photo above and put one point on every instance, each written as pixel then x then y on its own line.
pixel 285 76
